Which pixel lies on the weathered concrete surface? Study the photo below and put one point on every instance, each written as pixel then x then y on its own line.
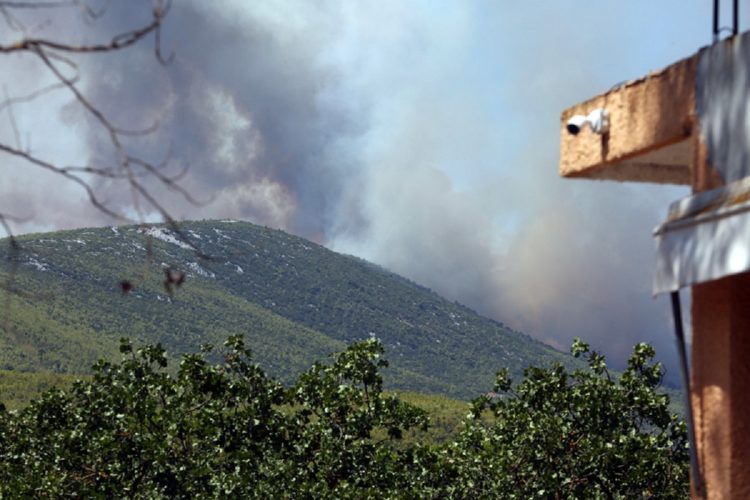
pixel 653 119
pixel 651 122
pixel 721 384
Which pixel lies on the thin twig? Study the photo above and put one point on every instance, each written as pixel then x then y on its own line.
pixel 135 171
pixel 12 118
pixel 52 168
pixel 120 41
pixel 9 101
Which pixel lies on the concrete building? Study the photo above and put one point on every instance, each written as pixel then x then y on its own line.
pixel 690 124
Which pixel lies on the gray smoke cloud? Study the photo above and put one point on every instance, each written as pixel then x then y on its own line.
pixel 554 258
pixel 422 139
pixel 242 105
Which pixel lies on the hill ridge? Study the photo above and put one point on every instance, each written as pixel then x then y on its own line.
pixel 296 301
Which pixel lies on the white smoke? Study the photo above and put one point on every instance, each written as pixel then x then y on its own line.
pixel 422 138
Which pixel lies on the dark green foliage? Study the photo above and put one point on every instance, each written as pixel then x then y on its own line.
pixel 304 301
pixel 584 434
pixel 209 430
pixel 137 430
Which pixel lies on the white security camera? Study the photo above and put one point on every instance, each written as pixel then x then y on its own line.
pixel 598 120
pixel 575 124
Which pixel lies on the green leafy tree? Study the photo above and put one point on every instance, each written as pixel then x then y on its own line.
pixel 138 430
pixel 135 430
pixel 585 434
pixel 345 427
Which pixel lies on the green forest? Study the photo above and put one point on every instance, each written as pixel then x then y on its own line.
pixel 302 300
pixel 137 429
pixel 177 417
pixel 226 359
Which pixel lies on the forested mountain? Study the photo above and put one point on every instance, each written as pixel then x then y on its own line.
pixel 295 302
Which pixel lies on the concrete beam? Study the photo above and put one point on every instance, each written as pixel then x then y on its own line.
pixel 651 122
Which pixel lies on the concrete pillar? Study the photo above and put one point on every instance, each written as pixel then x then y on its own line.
pixel 721 385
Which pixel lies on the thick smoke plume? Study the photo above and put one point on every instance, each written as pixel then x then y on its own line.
pixel 423 139
pixel 241 105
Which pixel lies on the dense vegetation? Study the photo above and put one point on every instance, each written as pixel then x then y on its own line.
pixel 226 429
pixel 303 301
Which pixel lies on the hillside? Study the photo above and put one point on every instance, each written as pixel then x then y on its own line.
pixel 295 302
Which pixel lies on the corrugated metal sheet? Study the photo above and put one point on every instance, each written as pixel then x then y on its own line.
pixel 705 237
pixel 723 105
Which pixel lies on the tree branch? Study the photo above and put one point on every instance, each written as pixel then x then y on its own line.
pixel 120 41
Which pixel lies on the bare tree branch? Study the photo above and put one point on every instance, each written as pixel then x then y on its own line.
pixel 61 171
pixel 10 101
pixel 140 176
pixel 48 51
pixel 118 42
pixel 12 118
pixel 14 23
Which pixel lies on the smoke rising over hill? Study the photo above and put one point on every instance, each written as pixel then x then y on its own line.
pixel 423 139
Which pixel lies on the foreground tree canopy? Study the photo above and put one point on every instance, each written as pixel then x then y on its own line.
pixel 138 429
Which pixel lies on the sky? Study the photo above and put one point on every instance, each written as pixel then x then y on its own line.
pixel 421 135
